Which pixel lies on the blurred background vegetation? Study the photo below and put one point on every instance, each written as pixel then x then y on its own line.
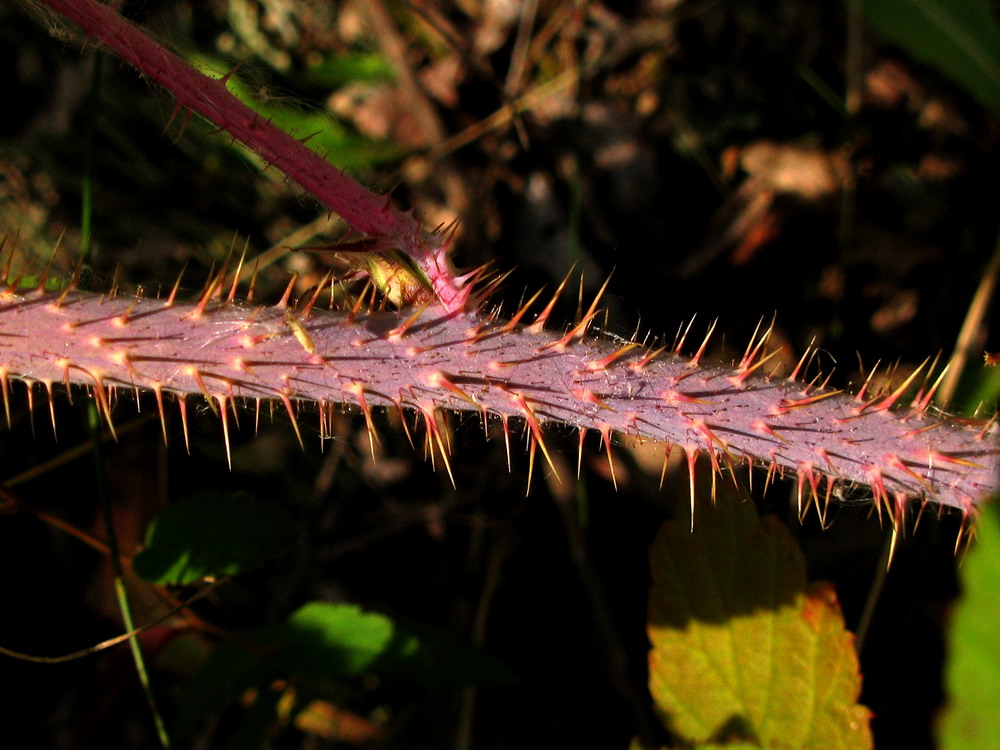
pixel 736 160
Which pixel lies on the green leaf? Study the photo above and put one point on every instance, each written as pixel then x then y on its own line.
pixel 210 534
pixel 743 650
pixel 322 642
pixel 961 38
pixel 972 672
pixel 326 136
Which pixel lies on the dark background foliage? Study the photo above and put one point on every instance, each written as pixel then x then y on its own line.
pixel 703 154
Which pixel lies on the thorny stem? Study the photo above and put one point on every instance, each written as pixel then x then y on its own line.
pixel 362 209
pixel 449 356
pixel 432 361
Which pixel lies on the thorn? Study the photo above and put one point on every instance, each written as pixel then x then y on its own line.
pixel 253 281
pixel 807 356
pixel 704 345
pixel 222 399
pixel 5 274
pixel 434 432
pixel 606 442
pixel 898 519
pixel 711 440
pixel 580 329
pixel 805 474
pixel 746 373
pixel 889 400
pixel 44 278
pixel 158 392
pixel 30 390
pixel 895 462
pixel 103 402
pixel 315 296
pixel 206 297
pixel 505 421
pixel 52 407
pixel 579 451
pixel 666 459
pixel 603 364
pixel 860 395
pixel 438 379
pixel 986 427
pixel 172 297
pixel 785 405
pixel 5 390
pixel 947 458
pixel 691 452
pixel 287 401
pixel 399 331
pixel 115 280
pixel 752 351
pixel 673 398
pixel 283 302
pixel 532 447
pixel 765 429
pixel 539 325
pixel 402 421
pixel 182 407
pixel 512 324
pixel 680 338
pixel 923 403
pixel 195 375
pixel 640 365
pixel 536 431
pixel 357 390
pixel 237 273
pixel 588 396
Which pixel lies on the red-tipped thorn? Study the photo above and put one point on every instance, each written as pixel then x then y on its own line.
pixel 357 390
pixel 588 396
pixel 786 405
pixel 438 379
pixel 287 401
pixel 52 407
pixel 536 430
pixel 539 323
pixel 604 363
pixel 304 312
pixel 158 392
pixel 922 403
pixel 704 345
pixel 860 395
pixel 513 323
pixel 505 422
pixel 401 330
pixel 886 403
pixel 239 272
pixel 666 460
pixel 434 438
pixel 580 329
pixel 807 356
pixel 182 407
pixel 5 390
pixel 283 302
pixel 640 364
pixel 172 297
pixel 691 451
pixel 224 414
pixel 606 442
pixel 748 371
